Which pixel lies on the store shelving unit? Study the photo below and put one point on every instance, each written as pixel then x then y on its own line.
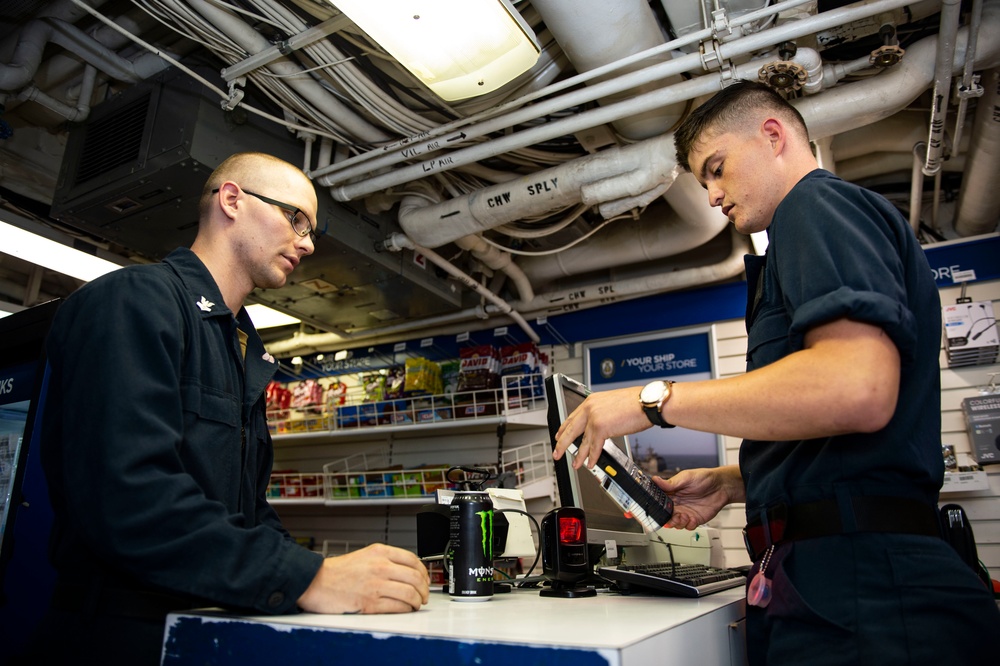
pixel 369 479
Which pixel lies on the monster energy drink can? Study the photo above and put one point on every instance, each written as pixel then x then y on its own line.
pixel 469 556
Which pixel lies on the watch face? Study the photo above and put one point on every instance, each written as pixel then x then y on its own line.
pixel 652 392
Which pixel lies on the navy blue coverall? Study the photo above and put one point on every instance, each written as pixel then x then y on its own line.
pixel 836 250
pixel 157 454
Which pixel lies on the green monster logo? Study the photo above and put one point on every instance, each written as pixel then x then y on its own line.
pixel 485 516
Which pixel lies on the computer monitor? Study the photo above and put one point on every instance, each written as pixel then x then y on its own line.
pixel 579 487
pixel 26 575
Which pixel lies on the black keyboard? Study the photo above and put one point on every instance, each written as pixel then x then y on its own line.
pixel 681 580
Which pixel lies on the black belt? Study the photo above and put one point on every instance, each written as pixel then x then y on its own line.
pixel 119 602
pixel 810 520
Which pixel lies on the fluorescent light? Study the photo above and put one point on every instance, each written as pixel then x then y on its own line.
pixel 52 255
pixel 458 48
pixel 265 317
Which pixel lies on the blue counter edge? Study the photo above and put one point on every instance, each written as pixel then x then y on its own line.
pixel 211 641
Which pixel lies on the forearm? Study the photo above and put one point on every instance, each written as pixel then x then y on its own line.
pixel 847 382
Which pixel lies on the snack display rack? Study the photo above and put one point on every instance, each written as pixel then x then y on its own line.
pixel 516 394
pixel 368 478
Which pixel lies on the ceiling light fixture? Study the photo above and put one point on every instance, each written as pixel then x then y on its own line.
pixel 458 48
pixel 52 255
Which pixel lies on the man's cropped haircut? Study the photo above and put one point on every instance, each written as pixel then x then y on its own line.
pixel 734 107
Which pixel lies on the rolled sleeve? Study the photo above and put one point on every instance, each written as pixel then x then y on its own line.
pixel 866 306
pixel 838 257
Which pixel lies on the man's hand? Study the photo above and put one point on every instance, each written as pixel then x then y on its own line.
pixel 602 415
pixel 699 494
pixel 375 579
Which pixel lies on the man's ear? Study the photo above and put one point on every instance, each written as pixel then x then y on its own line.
pixel 228 196
pixel 774 132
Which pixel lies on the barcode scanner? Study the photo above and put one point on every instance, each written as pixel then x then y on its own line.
pixel 565 561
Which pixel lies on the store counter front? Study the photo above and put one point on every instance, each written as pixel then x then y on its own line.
pixel 519 628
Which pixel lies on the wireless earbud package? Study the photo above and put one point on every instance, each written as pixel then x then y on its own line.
pixel 970 332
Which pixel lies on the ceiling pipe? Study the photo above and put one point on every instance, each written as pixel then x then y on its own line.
pixel 603 176
pixel 594 33
pixel 979 200
pixel 655 280
pixel 397 242
pixel 498 260
pixel 865 102
pixel 917 185
pixel 944 65
pixel 36 34
pixel 969 87
pixel 882 165
pixel 619 173
pixel 897 133
pixel 688 222
pixel 76 114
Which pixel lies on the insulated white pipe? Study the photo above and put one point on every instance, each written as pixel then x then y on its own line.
pixel 498 260
pixel 979 200
pixel 609 174
pixel 594 33
pixel 36 34
pixel 662 231
pixel 875 165
pixel 656 282
pixel 72 114
pixel 398 241
pixel 897 133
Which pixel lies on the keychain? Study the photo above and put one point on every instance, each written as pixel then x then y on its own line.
pixel 759 592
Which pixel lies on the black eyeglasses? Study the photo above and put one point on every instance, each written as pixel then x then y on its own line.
pixel 299 220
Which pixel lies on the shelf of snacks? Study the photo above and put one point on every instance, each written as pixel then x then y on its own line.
pixel 518 400
pixel 370 478
pixel 485 386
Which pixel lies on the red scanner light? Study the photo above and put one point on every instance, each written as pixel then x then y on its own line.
pixel 570 529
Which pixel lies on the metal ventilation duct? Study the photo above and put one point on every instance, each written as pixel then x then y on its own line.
pixel 133 173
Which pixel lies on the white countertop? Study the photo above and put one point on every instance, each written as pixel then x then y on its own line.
pixel 607 621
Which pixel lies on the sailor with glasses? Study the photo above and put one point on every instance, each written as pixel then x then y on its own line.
pixel 155 443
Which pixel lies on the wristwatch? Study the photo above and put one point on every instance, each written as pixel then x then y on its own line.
pixel 652 396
